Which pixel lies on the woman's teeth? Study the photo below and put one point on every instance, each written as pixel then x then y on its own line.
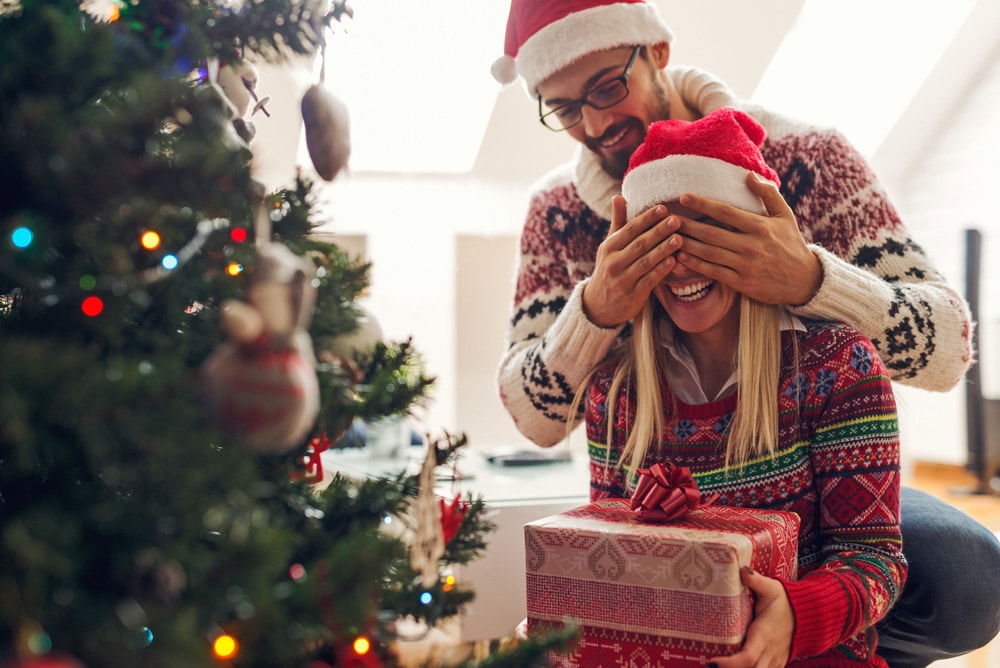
pixel 691 292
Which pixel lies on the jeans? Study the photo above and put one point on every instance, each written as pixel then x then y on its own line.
pixel 950 604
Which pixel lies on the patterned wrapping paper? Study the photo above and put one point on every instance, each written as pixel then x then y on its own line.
pixel 652 595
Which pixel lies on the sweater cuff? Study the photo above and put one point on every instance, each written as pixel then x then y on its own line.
pixel 848 293
pixel 575 338
pixel 820 608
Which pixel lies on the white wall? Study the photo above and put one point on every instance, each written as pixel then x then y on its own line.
pixel 953 186
pixel 443 251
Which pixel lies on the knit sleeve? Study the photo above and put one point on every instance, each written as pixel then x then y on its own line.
pixel 855 458
pixel 551 345
pixel 876 277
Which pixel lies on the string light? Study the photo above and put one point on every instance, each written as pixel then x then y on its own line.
pixel 426 598
pixel 40 642
pixel 88 282
pixel 169 262
pixel 21 237
pixel 150 240
pixel 145 636
pixel 225 646
pixel 362 645
pixel 238 234
pixel 234 268
pixel 297 572
pixel 103 10
pixel 449 583
pixel 92 306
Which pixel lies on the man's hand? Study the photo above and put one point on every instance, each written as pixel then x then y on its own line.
pixel 631 261
pixel 763 257
pixel 768 641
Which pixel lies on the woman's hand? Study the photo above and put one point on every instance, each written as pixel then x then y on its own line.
pixel 768 641
pixel 632 260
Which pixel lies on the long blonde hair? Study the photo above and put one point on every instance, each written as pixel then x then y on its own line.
pixel 640 369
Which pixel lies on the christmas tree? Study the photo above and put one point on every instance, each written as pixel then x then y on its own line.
pixel 166 378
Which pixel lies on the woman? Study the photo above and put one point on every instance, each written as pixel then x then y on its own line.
pixel 767 410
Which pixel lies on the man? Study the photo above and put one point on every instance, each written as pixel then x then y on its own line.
pixel 832 246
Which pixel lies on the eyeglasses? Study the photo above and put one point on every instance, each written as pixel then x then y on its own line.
pixel 602 96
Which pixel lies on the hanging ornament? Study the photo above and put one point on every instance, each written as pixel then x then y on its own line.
pixel 312 462
pixel 236 80
pixel 261 385
pixel 452 515
pixel 428 539
pixel 327 125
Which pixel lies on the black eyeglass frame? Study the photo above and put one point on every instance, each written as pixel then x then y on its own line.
pixel 585 100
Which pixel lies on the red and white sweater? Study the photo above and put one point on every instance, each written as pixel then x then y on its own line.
pixel 876 278
pixel 836 465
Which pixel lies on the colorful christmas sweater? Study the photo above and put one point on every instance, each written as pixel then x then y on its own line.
pixel 836 466
pixel 875 276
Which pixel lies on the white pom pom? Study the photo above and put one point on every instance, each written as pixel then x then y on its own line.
pixel 504 69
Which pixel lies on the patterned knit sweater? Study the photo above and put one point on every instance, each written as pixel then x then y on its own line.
pixel 875 277
pixel 837 466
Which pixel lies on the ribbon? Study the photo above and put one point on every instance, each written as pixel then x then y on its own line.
pixel 666 493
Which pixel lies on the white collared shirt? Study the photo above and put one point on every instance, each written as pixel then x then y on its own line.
pixel 681 370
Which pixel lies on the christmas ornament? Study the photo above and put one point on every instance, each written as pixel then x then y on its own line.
pixel 312 462
pixel 327 126
pixel 452 515
pixel 428 539
pixel 236 81
pixel 261 385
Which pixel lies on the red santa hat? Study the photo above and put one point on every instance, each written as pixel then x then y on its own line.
pixel 708 157
pixel 544 36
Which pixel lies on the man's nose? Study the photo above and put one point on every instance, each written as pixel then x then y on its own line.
pixel 595 121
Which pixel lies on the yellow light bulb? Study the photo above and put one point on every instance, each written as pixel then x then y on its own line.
pixel 361 645
pixel 225 646
pixel 150 240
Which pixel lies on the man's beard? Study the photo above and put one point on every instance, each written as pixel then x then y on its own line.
pixel 616 164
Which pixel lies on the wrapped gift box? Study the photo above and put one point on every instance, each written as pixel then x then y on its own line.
pixel 648 594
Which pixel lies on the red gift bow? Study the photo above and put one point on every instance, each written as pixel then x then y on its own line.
pixel 666 493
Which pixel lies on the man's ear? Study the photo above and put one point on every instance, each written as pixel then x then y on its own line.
pixel 659 53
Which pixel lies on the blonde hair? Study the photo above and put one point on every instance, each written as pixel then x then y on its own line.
pixel 640 369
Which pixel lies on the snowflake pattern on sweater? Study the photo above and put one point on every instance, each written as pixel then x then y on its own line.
pixel 876 278
pixel 836 466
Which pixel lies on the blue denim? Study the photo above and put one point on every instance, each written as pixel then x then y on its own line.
pixel 950 604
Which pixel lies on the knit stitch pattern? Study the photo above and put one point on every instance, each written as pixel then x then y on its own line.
pixel 836 466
